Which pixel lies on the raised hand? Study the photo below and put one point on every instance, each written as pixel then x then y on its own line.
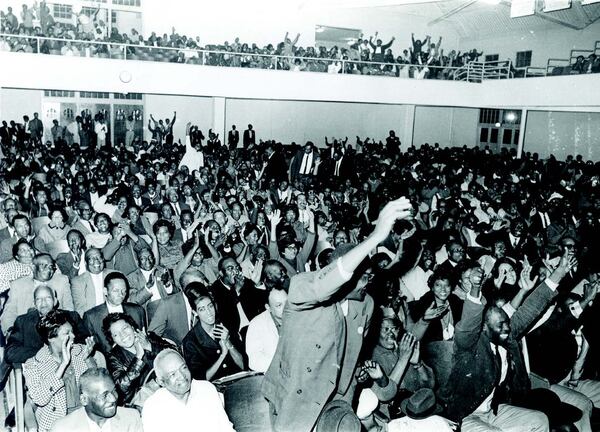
pixel 394 210
pixel 406 347
pixel 373 369
pixel 89 346
pixel 66 350
pixel 276 218
pixel 525 281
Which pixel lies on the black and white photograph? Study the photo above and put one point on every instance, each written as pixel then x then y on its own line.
pixel 300 215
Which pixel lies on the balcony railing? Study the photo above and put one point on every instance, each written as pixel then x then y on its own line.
pixel 205 57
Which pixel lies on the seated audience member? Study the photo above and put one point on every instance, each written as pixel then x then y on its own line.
pixel 413 284
pixel 130 359
pixel 20 266
pixel 85 224
pixel 22 230
pixel 102 231
pixel 236 298
pixel 183 398
pixel 149 284
pixel 291 256
pixel 169 249
pixel 99 410
pixel 198 255
pixel 436 314
pixel 20 295
pixel 88 287
pixel 503 282
pixel 115 292
pixel 24 340
pixel 400 361
pixel 56 229
pixel 120 251
pixel 263 332
pixel 52 374
pixel 71 263
pixel 422 415
pixel 488 370
pixel 556 352
pixel 211 351
pixel 252 266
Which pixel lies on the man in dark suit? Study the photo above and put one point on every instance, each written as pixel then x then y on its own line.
pixel 249 137
pixel 275 166
pixel 36 128
pixel 5 135
pixel 115 291
pixel 515 238
pixel 488 374
pixel 337 169
pixel 232 288
pixel 303 163
pixel 138 199
pixel 556 339
pixel 233 138
pixel 24 341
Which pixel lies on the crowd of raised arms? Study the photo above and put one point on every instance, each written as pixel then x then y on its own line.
pixel 365 56
pixel 371 283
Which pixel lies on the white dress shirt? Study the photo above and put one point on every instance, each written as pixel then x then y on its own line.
pixel 98 282
pixel 203 410
pixel 261 341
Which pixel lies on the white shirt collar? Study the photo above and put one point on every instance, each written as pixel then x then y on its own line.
pixel 114 309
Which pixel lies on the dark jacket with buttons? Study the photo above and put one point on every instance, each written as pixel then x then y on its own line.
pixel 317 351
pixel 474 367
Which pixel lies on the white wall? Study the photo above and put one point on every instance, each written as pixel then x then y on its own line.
pixel 297 121
pixel 198 110
pixel 167 78
pixel 14 103
pixel 432 124
pixel 544 44
pixel 563 133
pixel 464 127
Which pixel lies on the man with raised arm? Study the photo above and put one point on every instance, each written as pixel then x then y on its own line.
pixel 488 372
pixel 310 366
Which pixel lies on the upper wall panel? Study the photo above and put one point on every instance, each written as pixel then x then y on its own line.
pixel 34 71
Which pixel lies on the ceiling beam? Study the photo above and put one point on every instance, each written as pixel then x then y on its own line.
pixel 544 15
pixel 452 12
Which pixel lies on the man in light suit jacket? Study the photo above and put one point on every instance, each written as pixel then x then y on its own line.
pixel 20 295
pixel 88 288
pixel 149 284
pixel 233 138
pixel 330 348
pixel 172 318
pixel 100 410
pixel 71 262
pixel 115 291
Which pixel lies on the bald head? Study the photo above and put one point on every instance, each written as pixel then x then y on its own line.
pixel 496 325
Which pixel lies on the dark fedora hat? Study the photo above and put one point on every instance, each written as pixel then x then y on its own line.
pixel 548 402
pixel 420 405
pixel 338 416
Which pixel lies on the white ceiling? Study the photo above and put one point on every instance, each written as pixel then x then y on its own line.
pixel 474 18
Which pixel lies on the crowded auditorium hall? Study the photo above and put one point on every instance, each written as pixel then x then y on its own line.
pixel 300 216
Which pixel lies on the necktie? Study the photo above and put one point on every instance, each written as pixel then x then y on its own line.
pixel 150 282
pixel 497 390
pixel 92 229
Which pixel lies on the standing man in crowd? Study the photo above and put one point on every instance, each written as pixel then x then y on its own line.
pixel 233 138
pixel 299 386
pixel 249 137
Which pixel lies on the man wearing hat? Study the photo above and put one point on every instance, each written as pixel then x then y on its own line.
pixel 322 332
pixel 421 411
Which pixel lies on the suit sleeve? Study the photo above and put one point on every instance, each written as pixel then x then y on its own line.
pixel 468 329
pixel 16 352
pixel 138 293
pixel 531 309
pixel 160 320
pixel 322 285
pixel 9 314
pixel 66 298
pixel 78 294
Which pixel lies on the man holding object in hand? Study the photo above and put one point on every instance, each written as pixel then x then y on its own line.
pixel 319 342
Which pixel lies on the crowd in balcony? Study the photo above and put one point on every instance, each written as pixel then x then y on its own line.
pixel 137 274
pixel 425 58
